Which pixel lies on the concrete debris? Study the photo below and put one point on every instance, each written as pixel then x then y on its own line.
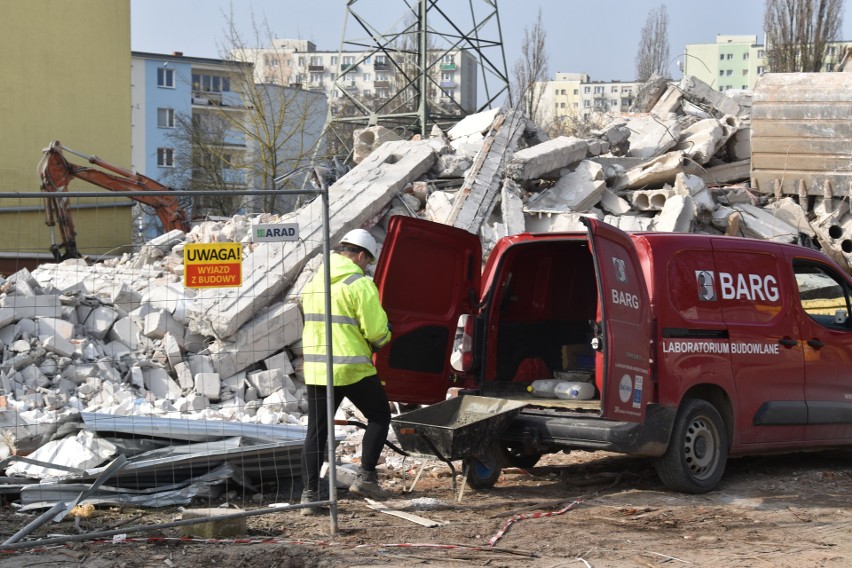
pixel 124 347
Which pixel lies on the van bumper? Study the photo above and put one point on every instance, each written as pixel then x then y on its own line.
pixel 541 432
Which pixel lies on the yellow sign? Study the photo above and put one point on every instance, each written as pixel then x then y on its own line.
pixel 212 265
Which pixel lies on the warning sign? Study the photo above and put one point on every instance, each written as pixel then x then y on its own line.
pixel 212 265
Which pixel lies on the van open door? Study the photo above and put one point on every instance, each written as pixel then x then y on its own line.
pixel 623 340
pixel 427 274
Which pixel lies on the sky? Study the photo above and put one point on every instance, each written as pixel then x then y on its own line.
pixel 597 37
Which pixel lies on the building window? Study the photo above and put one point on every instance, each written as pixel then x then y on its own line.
pixel 829 66
pixel 449 59
pixel 599 89
pixel 721 57
pixel 745 72
pixel 368 60
pixel 381 60
pixel 210 83
pixel 721 72
pixel 729 72
pixel 316 61
pixel 166 157
pixel 367 77
pixel 561 105
pixel 760 69
pixel 576 91
pixel 832 50
pixel 730 56
pixel 334 60
pixel 301 61
pixel 587 104
pixel 562 92
pixel 614 89
pixel 613 102
pixel 348 59
pixel 745 56
pixel 446 76
pixel 166 77
pixel 587 90
pixel 165 118
pixel 761 54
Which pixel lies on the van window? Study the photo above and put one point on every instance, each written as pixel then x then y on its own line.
pixel 823 295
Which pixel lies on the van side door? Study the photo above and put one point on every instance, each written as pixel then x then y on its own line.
pixel 427 275
pixel 824 299
pixel 623 360
pixel 753 285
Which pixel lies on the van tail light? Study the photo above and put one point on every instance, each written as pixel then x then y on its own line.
pixel 462 355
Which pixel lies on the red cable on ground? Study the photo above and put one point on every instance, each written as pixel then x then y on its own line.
pixel 523 517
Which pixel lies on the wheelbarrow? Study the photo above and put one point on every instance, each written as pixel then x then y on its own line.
pixel 462 428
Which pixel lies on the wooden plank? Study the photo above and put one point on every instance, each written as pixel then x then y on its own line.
pixel 387 510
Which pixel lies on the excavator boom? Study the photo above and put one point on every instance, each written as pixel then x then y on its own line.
pixel 56 173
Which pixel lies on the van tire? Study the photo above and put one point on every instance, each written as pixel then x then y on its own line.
pixel 484 470
pixel 698 449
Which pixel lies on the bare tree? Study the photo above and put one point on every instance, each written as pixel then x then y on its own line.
pixel 248 135
pixel 798 33
pixel 530 70
pixel 653 53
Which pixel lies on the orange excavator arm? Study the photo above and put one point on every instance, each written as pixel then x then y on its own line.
pixel 56 173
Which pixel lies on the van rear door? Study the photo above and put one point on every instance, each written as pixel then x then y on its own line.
pixel 623 359
pixel 427 275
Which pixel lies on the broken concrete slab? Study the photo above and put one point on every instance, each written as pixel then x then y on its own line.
pixel 578 190
pixel 354 199
pixel 547 157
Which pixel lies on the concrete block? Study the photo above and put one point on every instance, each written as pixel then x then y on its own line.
pixel 282 400
pixel 184 376
pixel 160 322
pixel 651 199
pixel 126 331
pixel 676 216
pixel 26 329
pixel 280 361
pixel 702 140
pixel 125 297
pixel 99 321
pixel 171 346
pixel 47 306
pixel 653 173
pixel 201 364
pixel 547 157
pixel 213 528
pixel 7 333
pixel 277 327
pixel 365 140
pixel 207 385
pixel 652 135
pixel 55 326
pixel 614 204
pixel 555 223
pixel 630 223
pixel 738 146
pixel 160 384
pixel 438 206
pixel 760 224
pixel 266 382
pixel 693 186
pixel 57 344
pixel 116 350
pixel 512 207
pixel 702 94
pixel 478 123
pixel 578 191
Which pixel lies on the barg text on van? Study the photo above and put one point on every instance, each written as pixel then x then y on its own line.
pixel 723 348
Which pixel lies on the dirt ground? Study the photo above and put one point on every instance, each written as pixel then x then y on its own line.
pixel 582 509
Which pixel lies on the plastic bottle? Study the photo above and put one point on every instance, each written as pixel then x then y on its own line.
pixel 574 390
pixel 543 388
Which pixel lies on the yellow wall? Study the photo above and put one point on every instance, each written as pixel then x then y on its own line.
pixel 66 76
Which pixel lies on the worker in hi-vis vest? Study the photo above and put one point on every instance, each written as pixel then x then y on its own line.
pixel 359 327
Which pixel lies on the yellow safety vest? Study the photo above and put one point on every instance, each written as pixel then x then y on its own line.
pixel 359 324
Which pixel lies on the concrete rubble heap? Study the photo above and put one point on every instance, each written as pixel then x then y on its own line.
pixel 125 339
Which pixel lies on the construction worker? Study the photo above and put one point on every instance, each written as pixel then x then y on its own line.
pixel 359 327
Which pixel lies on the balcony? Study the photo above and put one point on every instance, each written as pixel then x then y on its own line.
pixel 447 85
pixel 448 66
pixel 381 84
pixel 316 68
pixel 348 67
pixel 384 66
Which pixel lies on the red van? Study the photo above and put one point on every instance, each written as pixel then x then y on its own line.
pixel 699 346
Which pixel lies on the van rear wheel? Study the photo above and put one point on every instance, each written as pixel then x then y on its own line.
pixel 517 457
pixel 695 459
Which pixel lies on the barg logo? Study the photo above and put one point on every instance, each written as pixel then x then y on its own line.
pixel 706 289
pixel 625 388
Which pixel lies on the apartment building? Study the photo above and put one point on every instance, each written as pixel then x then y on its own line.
pixel 736 61
pixel 297 62
pixel 65 76
pixel 578 97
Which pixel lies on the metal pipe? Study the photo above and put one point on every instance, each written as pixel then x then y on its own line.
pixel 40 520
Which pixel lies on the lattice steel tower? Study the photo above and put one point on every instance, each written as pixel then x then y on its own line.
pixel 428 63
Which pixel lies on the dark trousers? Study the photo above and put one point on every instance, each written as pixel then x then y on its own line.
pixel 369 397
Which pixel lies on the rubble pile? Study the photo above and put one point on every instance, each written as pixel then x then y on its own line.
pixel 125 339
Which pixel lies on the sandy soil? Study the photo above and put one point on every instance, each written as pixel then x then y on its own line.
pixel 582 509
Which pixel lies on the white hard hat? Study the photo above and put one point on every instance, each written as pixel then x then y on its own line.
pixel 361 238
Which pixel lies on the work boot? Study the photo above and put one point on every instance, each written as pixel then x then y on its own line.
pixel 309 496
pixel 367 485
